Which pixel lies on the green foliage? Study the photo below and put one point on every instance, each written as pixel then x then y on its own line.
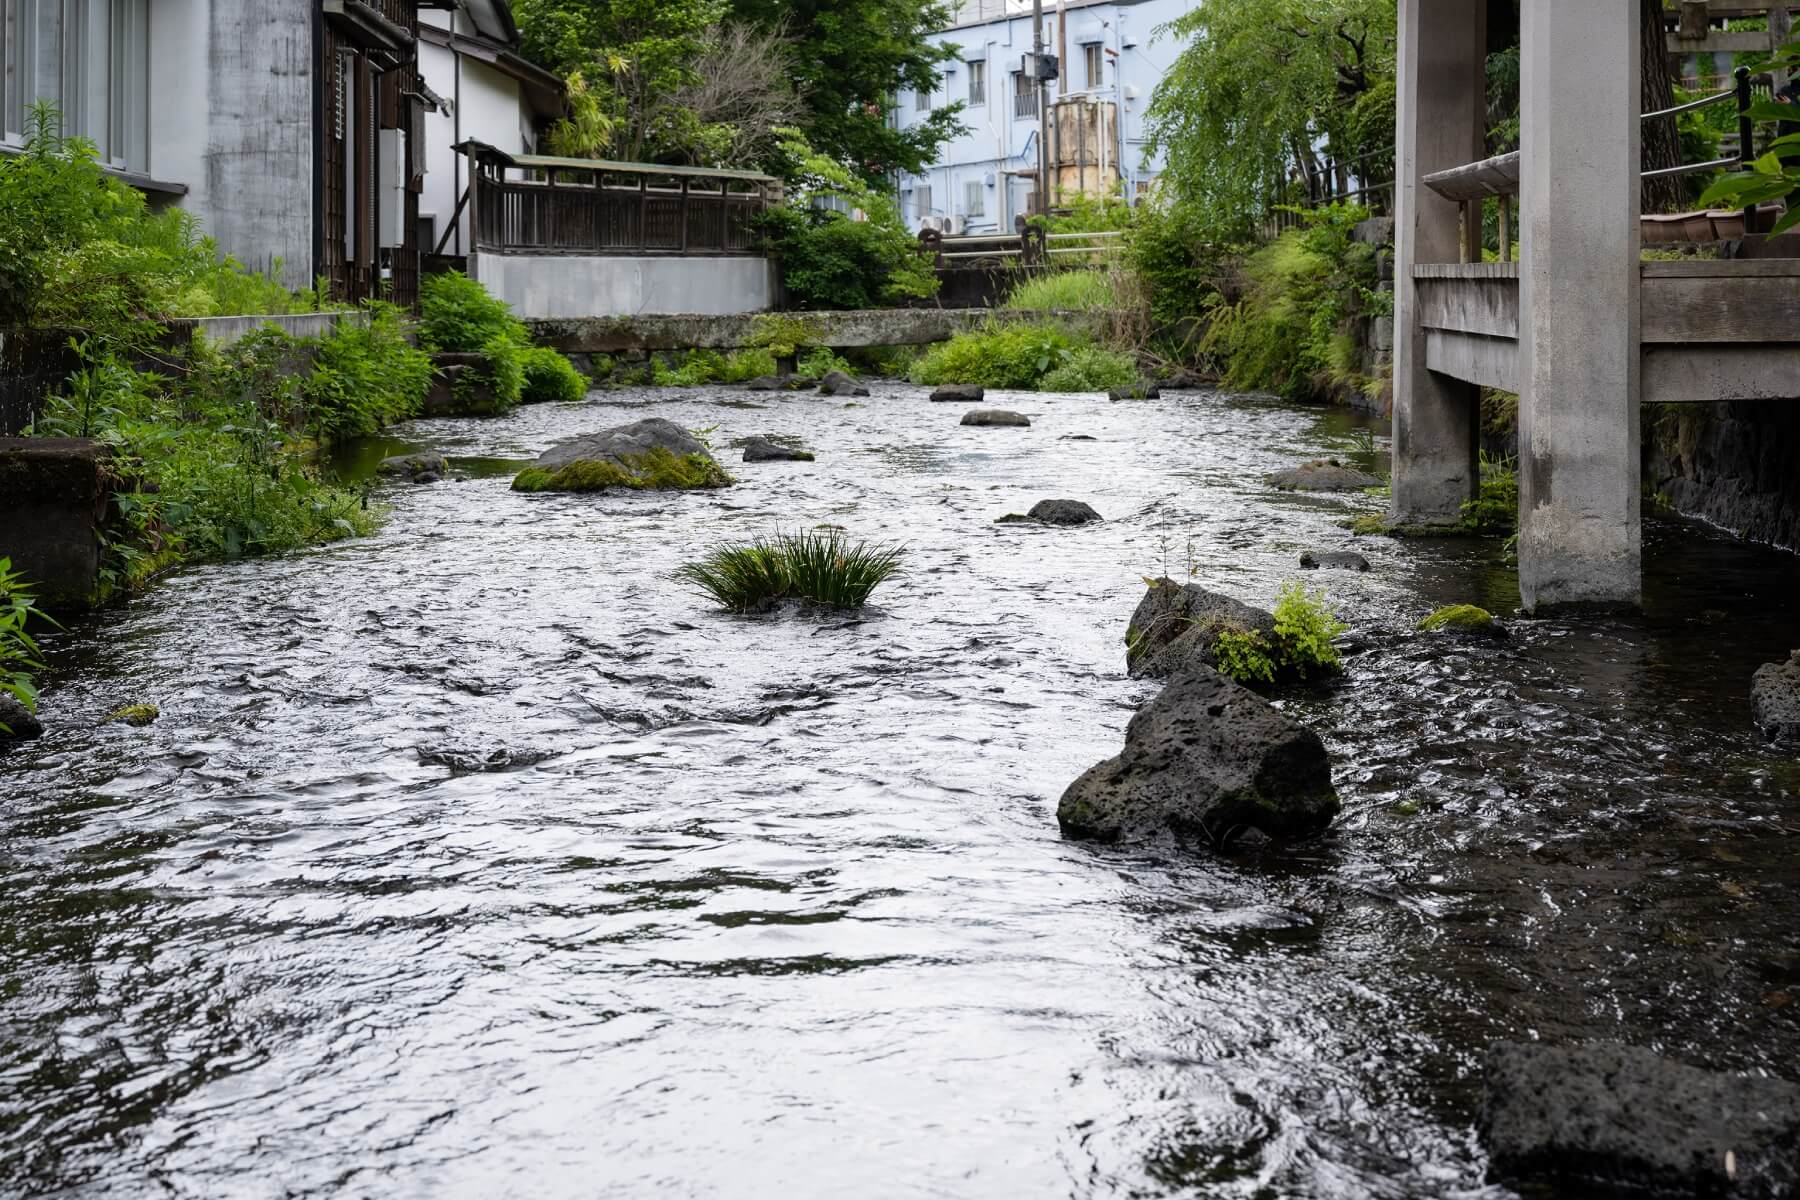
pixel 1496 508
pixel 823 568
pixel 1257 86
pixel 1244 655
pixel 1460 618
pixel 18 648
pixel 829 259
pixel 1289 333
pixel 656 468
pixel 1010 356
pixel 1299 648
pixel 1066 291
pixel 1091 369
pixel 821 361
pixel 782 334
pixel 81 250
pixel 1179 271
pixel 364 377
pixel 457 314
pixel 550 376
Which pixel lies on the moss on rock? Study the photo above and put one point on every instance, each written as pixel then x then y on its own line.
pixel 1462 618
pixel 653 469
pixel 134 714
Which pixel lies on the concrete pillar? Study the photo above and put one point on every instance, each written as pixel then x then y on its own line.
pixel 1580 541
pixel 1442 124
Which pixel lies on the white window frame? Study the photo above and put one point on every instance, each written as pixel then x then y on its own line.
pixel 1094 60
pixel 974 198
pixel 977 84
pixel 922 101
pixel 922 200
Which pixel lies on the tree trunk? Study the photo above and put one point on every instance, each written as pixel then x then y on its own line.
pixel 1662 145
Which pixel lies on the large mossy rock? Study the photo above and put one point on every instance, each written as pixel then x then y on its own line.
pixel 1177 626
pixel 1325 475
pixel 1612 1120
pixel 1775 699
pixel 652 453
pixel 1206 758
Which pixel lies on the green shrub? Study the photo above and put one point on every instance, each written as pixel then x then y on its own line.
pixel 501 374
pixel 365 377
pixel 821 361
pixel 1299 648
pixel 18 648
pixel 1496 508
pixel 1014 356
pixel 1092 369
pixel 1181 273
pixel 1288 334
pixel 1066 291
pixel 822 568
pixel 457 315
pixel 550 376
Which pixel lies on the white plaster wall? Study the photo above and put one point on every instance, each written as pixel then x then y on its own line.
pixel 564 286
pixel 488 108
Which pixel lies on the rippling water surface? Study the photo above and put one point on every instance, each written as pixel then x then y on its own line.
pixel 478 859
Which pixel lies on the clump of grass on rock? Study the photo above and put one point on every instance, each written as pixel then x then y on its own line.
pixel 820 567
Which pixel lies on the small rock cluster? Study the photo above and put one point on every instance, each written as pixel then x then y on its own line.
pixel 1775 700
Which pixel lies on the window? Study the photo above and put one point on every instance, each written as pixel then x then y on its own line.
pixel 922 198
pixel 1090 54
pixel 974 199
pixel 1025 96
pixel 923 100
pixel 90 58
pixel 949 85
pixel 977 84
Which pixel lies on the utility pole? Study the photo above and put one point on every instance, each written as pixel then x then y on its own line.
pixel 1043 95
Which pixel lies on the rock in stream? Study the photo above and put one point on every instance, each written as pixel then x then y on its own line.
pixel 1775 699
pixel 1177 626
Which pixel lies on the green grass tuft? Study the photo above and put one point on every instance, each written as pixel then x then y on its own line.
pixel 657 468
pixel 823 568
pixel 1067 291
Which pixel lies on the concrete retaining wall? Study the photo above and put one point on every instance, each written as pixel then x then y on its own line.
pixel 223 331
pixel 837 330
pixel 572 286
pixel 54 492
pixel 1736 465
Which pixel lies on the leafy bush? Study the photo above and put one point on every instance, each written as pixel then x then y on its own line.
pixel 831 260
pixel 1299 648
pixel 821 361
pixel 365 377
pixel 1496 508
pixel 1289 333
pixel 1091 369
pixel 457 315
pixel 18 649
pixel 819 567
pixel 550 376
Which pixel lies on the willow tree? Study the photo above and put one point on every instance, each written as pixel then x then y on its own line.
pixel 1263 94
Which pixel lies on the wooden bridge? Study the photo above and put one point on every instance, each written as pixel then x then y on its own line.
pixel 1582 329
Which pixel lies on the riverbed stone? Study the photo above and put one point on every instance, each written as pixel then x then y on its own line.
pixel 427 466
pixel 1177 626
pixel 996 417
pixel 1143 389
pixel 20 724
pixel 968 393
pixel 1775 700
pixel 836 383
pixel 1335 560
pixel 652 453
pixel 1325 475
pixel 1604 1119
pixel 1205 758
pixel 1063 512
pixel 1181 380
pixel 766 448
pixel 1463 618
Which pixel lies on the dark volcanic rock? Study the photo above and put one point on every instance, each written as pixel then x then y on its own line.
pixel 995 417
pixel 1183 379
pixel 763 448
pixel 1209 758
pixel 1775 699
pixel 1143 389
pixel 764 383
pixel 968 393
pixel 836 383
pixel 1077 437
pixel 20 723
pixel 1178 625
pixel 1062 512
pixel 652 453
pixel 1327 475
pixel 1612 1120
pixel 1341 560
pixel 424 467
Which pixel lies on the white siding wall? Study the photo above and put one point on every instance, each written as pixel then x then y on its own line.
pixel 489 108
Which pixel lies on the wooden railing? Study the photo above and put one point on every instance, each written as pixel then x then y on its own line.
pixel 530 204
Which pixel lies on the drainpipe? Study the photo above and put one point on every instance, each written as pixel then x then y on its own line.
pixel 456 181
pixel 1062 90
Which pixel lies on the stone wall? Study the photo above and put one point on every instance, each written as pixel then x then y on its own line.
pixel 54 492
pixel 1736 465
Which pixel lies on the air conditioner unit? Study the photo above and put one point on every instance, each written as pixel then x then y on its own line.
pixel 956 224
pixel 934 223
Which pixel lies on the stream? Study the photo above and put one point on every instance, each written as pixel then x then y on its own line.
pixel 480 858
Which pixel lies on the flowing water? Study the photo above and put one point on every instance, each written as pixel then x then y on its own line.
pixel 478 858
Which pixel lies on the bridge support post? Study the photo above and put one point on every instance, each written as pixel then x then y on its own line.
pixel 1580 538
pixel 1443 122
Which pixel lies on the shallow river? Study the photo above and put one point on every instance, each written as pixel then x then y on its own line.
pixel 478 858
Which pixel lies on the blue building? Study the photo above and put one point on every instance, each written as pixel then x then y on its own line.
pixel 1112 59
